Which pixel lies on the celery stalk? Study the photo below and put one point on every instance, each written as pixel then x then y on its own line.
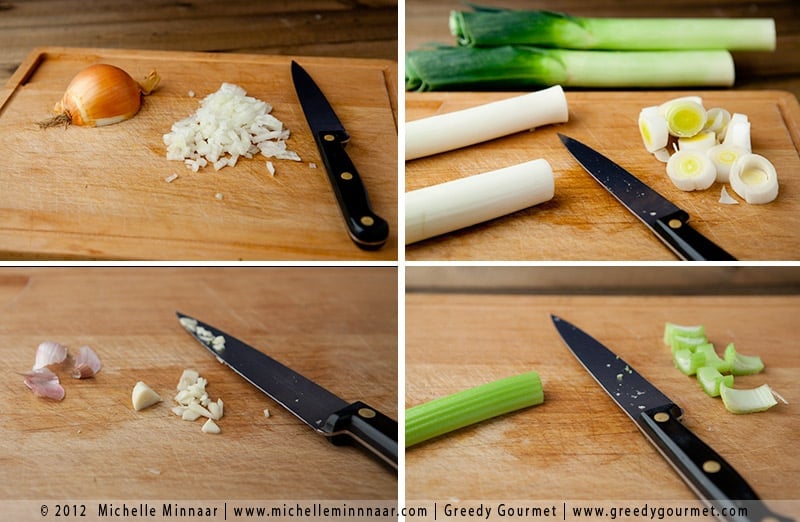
pixel 486 27
pixel 710 379
pixel 470 406
pixel 688 361
pixel 742 364
pixel 713 359
pixel 693 331
pixel 747 401
pixel 522 67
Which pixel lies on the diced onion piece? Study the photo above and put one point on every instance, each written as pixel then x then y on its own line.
pixel 48 353
pixel 691 170
pixel 726 198
pixel 143 396
pixel 701 141
pixel 464 202
pixel 723 157
pixel 653 129
pixel 44 383
pixel 754 179
pixel 710 380
pixel 685 118
pixel 747 401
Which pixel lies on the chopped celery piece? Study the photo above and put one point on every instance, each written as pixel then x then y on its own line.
pixel 671 330
pixel 493 26
pixel 710 380
pixel 712 359
pixel 742 364
pixel 687 361
pixel 679 342
pixel 470 406
pixel 747 401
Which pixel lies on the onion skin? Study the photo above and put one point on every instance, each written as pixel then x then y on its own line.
pixel 100 95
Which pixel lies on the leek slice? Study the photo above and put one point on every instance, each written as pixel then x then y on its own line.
pixel 491 26
pixel 717 120
pixel 742 364
pixel 688 361
pixel 754 178
pixel 653 129
pixel 702 141
pixel 747 401
pixel 724 156
pixel 691 170
pixel 710 380
pixel 685 118
pixel 473 405
pixel 521 68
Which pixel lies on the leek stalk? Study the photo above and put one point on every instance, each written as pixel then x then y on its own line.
pixel 550 29
pixel 473 405
pixel 523 67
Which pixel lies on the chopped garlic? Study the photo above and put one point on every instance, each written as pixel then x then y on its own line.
pixel 210 427
pixel 189 323
pixel 219 196
pixel 218 343
pixel 271 168
pixel 266 413
pixel 171 178
pixel 143 396
pixel 193 399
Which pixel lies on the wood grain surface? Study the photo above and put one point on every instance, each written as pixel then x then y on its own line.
pixel 337 326
pixel 578 444
pixel 583 221
pixel 89 193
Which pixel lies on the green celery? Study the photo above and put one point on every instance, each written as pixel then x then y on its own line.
pixel 672 330
pixel 713 359
pixel 679 342
pixel 742 364
pixel 687 361
pixel 747 401
pixel 710 379
pixel 524 67
pixel 492 27
pixel 473 405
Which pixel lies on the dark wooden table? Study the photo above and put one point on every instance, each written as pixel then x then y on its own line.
pixel 360 29
pixel 427 21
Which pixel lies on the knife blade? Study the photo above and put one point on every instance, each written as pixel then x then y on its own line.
pixel 712 479
pixel 366 229
pixel 667 221
pixel 329 415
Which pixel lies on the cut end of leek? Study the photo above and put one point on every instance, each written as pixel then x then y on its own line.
pixel 747 401
pixel 685 118
pixel 754 179
pixel 653 129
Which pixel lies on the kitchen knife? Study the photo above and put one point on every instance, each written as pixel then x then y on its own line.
pixel 367 229
pixel 329 415
pixel 667 221
pixel 707 473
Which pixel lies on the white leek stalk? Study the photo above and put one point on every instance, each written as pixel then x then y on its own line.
pixel 754 178
pixel 702 141
pixel 685 118
pixel 442 208
pixel 717 119
pixel 653 129
pixel 737 133
pixel 724 156
pixel 691 170
pixel 486 122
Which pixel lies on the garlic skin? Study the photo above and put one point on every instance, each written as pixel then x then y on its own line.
pixel 100 95
pixel 44 383
pixel 48 353
pixel 87 363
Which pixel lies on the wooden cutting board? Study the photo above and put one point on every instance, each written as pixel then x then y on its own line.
pixel 337 326
pixel 584 222
pixel 101 192
pixel 578 445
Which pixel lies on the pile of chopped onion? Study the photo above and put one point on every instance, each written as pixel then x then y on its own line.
pixel 709 146
pixel 43 382
pixel 228 125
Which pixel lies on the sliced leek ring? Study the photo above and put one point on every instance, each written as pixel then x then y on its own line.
pixel 724 156
pixel 701 141
pixel 653 129
pixel 691 170
pixel 754 178
pixel 685 118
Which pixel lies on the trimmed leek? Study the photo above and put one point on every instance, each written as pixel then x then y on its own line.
pixel 509 67
pixel 710 380
pixel 742 364
pixel 491 27
pixel 446 414
pixel 747 401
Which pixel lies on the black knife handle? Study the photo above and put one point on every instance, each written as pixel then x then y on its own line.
pixel 367 426
pixel 687 242
pixel 708 474
pixel 367 229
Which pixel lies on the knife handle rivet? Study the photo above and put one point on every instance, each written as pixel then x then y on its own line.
pixel 366 413
pixel 675 223
pixel 661 417
pixel 329 137
pixel 347 176
pixel 367 221
pixel 711 466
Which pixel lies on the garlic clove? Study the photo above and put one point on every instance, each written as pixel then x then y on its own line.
pixel 143 396
pixel 210 427
pixel 48 353
pixel 87 363
pixel 44 383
